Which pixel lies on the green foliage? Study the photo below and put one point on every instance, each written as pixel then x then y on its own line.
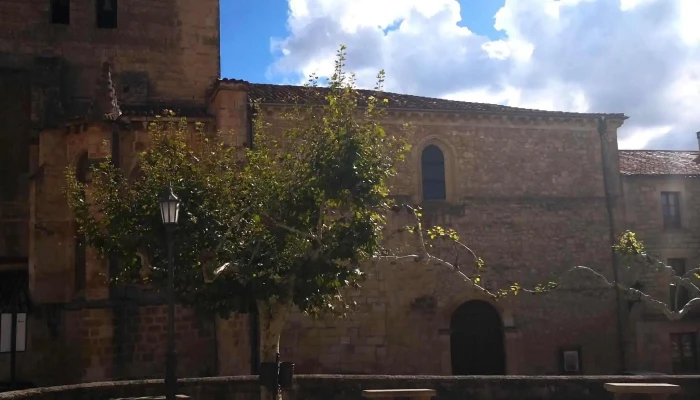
pixel 292 222
pixel 631 248
pixel 629 245
pixel 120 216
pixel 439 232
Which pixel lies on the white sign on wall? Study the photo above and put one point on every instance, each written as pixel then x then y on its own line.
pixel 6 332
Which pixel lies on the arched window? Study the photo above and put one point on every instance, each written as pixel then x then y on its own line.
pixel 82 168
pixel 433 173
pixel 106 14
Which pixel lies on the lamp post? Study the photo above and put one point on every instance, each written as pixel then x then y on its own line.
pixel 169 213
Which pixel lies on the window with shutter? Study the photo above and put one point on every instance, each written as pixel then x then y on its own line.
pixel 671 209
pixel 684 352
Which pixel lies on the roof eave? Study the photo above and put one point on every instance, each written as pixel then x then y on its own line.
pixel 142 118
pixel 636 175
pixel 547 114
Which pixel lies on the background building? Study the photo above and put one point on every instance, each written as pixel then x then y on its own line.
pixel 661 190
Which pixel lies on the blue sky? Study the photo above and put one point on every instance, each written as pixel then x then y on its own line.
pixel 248 26
pixel 638 57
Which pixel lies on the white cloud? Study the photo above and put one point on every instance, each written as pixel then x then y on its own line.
pixel 688 26
pixel 627 5
pixel 639 138
pixel 640 57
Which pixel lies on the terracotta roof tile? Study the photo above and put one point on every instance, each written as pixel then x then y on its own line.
pixel 288 94
pixel 659 162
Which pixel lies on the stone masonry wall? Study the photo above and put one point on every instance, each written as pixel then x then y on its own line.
pixel 644 217
pixel 233 345
pixel 85 345
pixel 163 50
pixel 88 336
pixel 142 352
pixel 14 164
pixel 528 196
pixel 52 258
pixel 52 261
pixel 175 42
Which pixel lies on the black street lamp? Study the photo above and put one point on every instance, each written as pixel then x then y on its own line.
pixel 169 213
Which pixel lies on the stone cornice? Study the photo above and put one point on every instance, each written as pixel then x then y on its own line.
pixel 520 115
pixel 481 118
pixel 659 176
pixel 150 118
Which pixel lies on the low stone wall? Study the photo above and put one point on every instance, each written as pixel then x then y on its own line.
pixel 349 387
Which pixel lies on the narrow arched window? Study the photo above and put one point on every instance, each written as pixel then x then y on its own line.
pixel 82 168
pixel 107 12
pixel 433 170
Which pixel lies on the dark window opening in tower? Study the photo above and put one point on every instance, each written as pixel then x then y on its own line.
pixel 60 12
pixel 107 14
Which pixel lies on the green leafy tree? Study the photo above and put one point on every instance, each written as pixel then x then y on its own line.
pixel 289 224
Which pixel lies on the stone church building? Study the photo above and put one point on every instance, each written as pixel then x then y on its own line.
pixel 533 192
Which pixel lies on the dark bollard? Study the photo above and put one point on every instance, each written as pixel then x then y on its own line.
pixel 269 373
pixel 286 375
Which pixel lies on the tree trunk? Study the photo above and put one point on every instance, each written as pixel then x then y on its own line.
pixel 272 316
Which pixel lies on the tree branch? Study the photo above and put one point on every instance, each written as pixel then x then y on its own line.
pixel 222 268
pixel 427 257
pixel 638 294
pixel 629 292
pixel 680 280
pixel 321 214
pixel 309 235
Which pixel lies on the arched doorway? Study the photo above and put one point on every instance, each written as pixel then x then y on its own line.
pixel 476 340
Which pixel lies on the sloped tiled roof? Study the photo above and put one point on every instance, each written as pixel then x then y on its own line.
pixel 289 94
pixel 659 162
